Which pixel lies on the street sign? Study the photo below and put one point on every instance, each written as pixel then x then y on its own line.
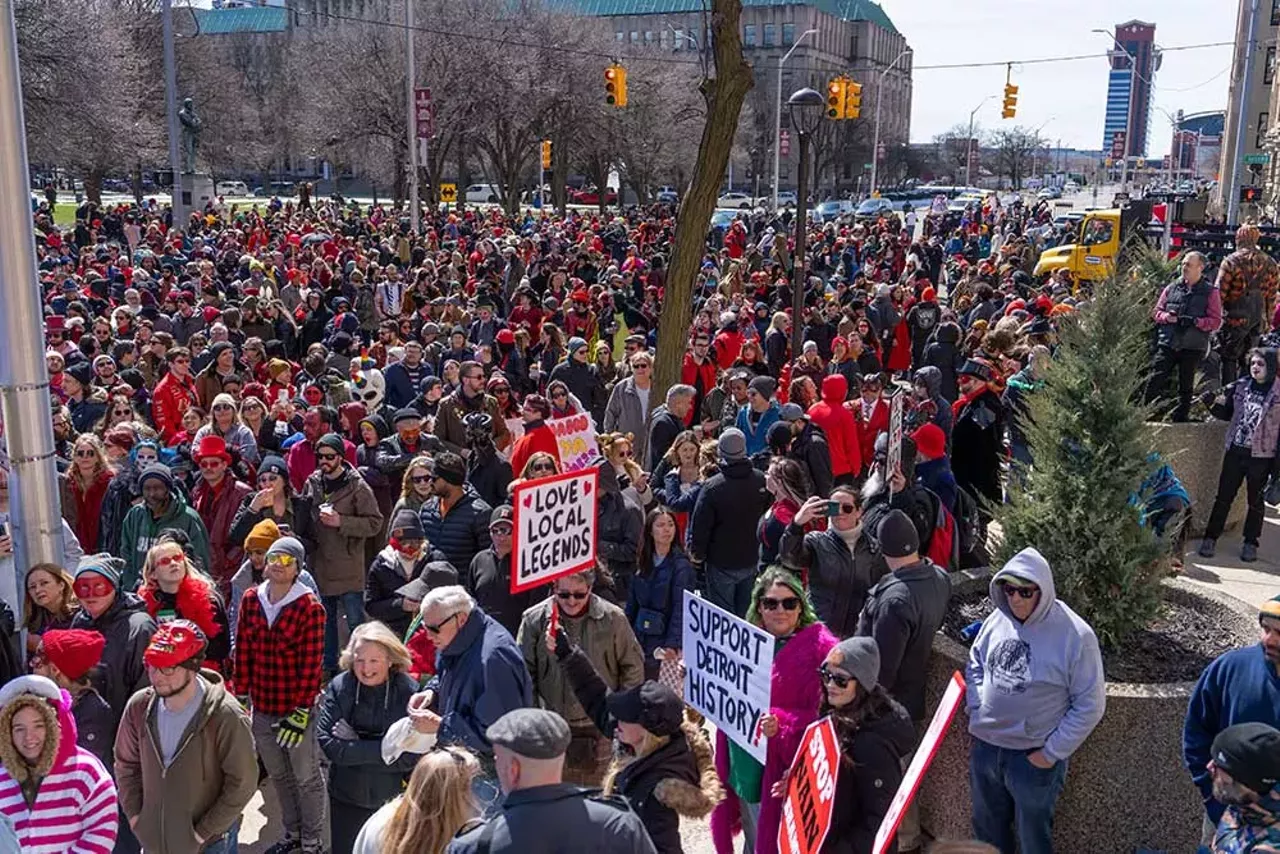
pixel 424 113
pixel 448 193
pixel 784 142
pixel 1257 159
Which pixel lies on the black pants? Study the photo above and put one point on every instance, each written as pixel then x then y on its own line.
pixel 1239 464
pixel 1166 362
pixel 1234 344
pixel 345 821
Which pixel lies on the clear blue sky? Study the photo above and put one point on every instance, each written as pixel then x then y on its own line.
pixel 1069 96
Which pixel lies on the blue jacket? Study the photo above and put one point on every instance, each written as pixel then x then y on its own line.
pixel 758 437
pixel 403 381
pixel 661 590
pixel 1238 687
pixel 936 475
pixel 461 534
pixel 479 678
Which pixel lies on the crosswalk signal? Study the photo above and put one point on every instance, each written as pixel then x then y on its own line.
pixel 546 154
pixel 836 90
pixel 852 100
pixel 615 86
pixel 1010 101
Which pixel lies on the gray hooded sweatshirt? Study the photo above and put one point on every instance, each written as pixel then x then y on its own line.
pixel 1036 685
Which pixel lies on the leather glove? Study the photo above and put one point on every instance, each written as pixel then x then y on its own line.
pixel 290 730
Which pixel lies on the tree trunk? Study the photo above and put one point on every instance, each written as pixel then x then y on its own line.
pixel 93 184
pixel 724 95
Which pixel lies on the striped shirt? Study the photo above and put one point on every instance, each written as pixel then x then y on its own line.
pixel 75 808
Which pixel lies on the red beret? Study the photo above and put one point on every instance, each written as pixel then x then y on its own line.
pixel 73 651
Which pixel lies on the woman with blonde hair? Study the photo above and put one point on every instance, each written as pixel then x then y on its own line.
pixel 84 487
pixel 174 588
pixel 226 424
pixel 620 450
pixel 358 707
pixel 435 806
pixel 415 489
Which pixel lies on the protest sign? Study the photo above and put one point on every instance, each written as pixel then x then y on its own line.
pixel 951 700
pixel 728 667
pixel 894 457
pixel 555 528
pixel 576 438
pixel 515 427
pixel 811 791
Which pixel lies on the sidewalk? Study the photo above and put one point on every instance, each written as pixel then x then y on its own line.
pixel 1252 583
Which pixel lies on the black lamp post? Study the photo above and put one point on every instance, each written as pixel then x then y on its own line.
pixel 805 107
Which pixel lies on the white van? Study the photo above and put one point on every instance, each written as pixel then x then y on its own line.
pixel 231 188
pixel 482 194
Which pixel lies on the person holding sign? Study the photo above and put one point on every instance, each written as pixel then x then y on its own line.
pixel 875 734
pixel 780 605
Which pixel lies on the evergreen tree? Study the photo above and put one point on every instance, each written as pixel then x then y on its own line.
pixel 1092 448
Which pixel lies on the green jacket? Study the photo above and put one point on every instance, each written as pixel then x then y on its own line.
pixel 141 529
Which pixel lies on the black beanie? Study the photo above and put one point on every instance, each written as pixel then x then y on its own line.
pixel 897 535
pixel 1250 753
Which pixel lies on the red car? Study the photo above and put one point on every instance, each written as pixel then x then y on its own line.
pixel 591 196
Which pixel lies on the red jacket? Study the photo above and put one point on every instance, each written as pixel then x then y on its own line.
pixel 169 401
pixel 83 508
pixel 843 435
pixel 870 428
pixel 217 508
pixel 728 344
pixel 540 438
pixel 691 371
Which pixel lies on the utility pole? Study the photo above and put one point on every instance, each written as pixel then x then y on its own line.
pixel 410 122
pixel 1242 118
pixel 171 109
pixel 777 117
pixel 35 518
pixel 875 142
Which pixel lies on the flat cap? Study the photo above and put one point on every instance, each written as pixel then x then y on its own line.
pixel 532 733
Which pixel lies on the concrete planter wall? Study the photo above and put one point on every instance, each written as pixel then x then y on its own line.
pixel 1126 787
pixel 1195 450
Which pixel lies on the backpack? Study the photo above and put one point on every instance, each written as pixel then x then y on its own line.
pixel 969 530
pixel 944 543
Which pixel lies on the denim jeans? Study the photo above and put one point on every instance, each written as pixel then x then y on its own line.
pixel 228 843
pixel 730 589
pixel 1013 800
pixel 353 606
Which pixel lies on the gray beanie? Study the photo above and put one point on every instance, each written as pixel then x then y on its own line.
pixel 860 658
pixel 289 546
pixel 732 445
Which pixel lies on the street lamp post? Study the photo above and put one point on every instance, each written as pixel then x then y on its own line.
pixel 805 107
pixel 777 118
pixel 875 143
pixel 968 143
pixel 1128 110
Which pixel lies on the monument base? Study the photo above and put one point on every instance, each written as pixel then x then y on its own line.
pixel 197 190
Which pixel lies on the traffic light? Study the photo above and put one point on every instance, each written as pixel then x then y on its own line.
pixel 615 85
pixel 546 154
pixel 836 90
pixel 1250 195
pixel 852 100
pixel 1010 101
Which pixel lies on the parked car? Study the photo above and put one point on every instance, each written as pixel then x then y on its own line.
pixel 874 209
pixel 1049 193
pixel 483 194
pixel 667 196
pixel 828 211
pixel 591 196
pixel 788 199
pixel 1071 187
pixel 734 199
pixel 276 188
pixel 231 188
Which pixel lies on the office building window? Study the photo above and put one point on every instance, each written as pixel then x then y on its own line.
pixel 788 35
pixel 1261 139
pixel 620 36
pixel 635 37
pixel 1275 13
pixel 679 40
pixel 648 37
pixel 749 35
pixel 770 35
pixel 1269 72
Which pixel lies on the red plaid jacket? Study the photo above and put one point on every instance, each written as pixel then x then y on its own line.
pixel 280 666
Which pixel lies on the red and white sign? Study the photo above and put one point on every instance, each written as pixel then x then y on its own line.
pixel 424 113
pixel 811 791
pixel 576 441
pixel 555 528
pixel 893 459
pixel 928 749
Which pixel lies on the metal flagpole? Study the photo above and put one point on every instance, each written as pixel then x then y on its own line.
pixel 34 510
pixel 411 117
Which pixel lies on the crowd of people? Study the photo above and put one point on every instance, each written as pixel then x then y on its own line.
pixel 283 426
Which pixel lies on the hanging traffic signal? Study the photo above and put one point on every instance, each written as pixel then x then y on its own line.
pixel 1010 101
pixel 615 85
pixel 852 99
pixel 836 97
pixel 546 154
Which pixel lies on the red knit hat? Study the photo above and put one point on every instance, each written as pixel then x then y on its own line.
pixel 73 651
pixel 931 442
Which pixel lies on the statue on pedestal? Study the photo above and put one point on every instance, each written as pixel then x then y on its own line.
pixel 191 127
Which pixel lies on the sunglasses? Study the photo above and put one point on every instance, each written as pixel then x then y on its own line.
pixel 329 456
pixel 223 407
pixel 165 561
pixel 211 464
pixel 846 509
pixel 86 453
pixel 282 559
pixel 829 678
pixel 1020 592
pixel 543 467
pixel 566 595
pixel 92 589
pixel 791 603
pixel 626 453
pixel 435 630
pixel 559 395
pixel 422 478
pixel 182 361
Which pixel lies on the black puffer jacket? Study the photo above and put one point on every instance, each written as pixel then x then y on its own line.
pixel 944 354
pixel 464 532
pixel 359 777
pixel 620 526
pixel 381 600
pixel 677 779
pixel 729 506
pixel 128 629
pixel 489 475
pixel 488 579
pixel 870 773
pixel 811 450
pixel 585 384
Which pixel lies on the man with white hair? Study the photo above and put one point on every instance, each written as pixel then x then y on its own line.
pixel 668 422
pixel 480 677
